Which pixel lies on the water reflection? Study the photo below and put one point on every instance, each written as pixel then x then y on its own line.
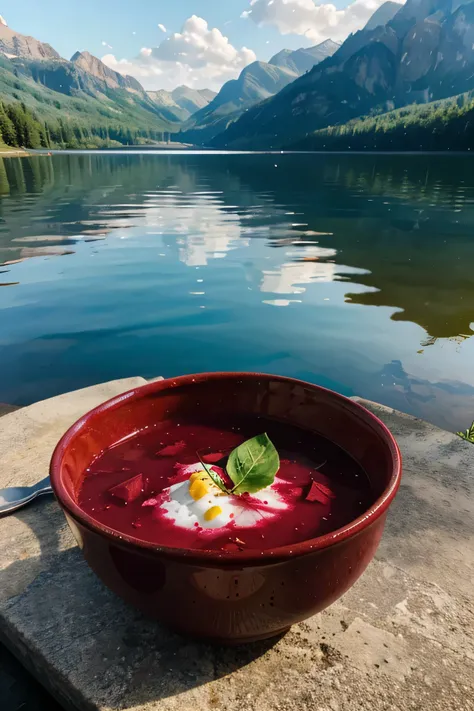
pixel 329 237
pixel 317 265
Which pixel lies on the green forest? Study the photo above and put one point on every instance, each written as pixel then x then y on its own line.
pixel 447 124
pixel 21 127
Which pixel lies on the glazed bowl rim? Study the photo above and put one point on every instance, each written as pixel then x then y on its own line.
pixel 377 508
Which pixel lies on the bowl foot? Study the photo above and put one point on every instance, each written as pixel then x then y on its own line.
pixel 239 641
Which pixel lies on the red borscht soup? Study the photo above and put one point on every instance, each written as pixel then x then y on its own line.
pixel 160 486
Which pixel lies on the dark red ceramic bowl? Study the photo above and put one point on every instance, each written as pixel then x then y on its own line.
pixel 230 597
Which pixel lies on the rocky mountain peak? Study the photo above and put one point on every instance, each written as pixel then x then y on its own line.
pixel 14 44
pixel 114 80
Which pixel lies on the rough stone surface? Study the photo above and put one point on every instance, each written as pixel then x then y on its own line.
pixel 400 639
pixel 6 409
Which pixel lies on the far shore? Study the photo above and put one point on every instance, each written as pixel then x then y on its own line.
pixel 7 152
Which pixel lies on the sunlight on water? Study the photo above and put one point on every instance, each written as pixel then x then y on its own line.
pixel 354 272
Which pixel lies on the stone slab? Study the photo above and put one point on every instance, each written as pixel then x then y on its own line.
pixel 6 409
pixel 401 638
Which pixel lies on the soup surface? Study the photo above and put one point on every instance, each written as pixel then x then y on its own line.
pixel 154 486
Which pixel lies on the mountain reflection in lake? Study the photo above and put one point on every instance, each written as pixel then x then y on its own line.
pixel 354 272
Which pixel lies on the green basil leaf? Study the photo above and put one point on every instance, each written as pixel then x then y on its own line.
pixel 252 465
pixel 216 478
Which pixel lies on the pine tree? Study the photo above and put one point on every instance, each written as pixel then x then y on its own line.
pixel 67 134
pixel 17 117
pixel 47 135
pixel 32 131
pixel 7 129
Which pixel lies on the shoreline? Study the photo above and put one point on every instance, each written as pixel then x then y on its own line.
pixel 171 149
pixel 13 153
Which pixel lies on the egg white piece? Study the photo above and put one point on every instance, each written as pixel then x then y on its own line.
pixel 186 512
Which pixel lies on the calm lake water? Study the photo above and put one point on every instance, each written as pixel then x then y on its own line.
pixel 352 271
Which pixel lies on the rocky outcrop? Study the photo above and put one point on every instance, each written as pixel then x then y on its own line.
pixel 93 66
pixel 14 44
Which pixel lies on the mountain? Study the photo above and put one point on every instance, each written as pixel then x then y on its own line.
pixel 165 102
pixel 113 80
pixel 256 82
pixel 383 15
pixel 121 94
pixel 192 99
pixel 302 60
pixel 62 94
pixel 13 44
pixel 424 53
pixel 182 102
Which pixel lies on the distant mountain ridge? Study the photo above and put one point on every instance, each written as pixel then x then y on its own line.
pixel 256 82
pixel 302 60
pixel 425 52
pixel 192 99
pixel 183 101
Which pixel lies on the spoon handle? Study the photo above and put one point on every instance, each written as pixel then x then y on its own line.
pixel 15 497
pixel 42 487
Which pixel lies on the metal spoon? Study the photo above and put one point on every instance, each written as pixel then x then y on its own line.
pixel 14 497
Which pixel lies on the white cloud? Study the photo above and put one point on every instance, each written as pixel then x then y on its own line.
pixel 3 21
pixel 197 56
pixel 104 44
pixel 162 27
pixel 316 22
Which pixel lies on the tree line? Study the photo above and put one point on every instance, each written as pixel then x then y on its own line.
pixel 447 124
pixel 21 127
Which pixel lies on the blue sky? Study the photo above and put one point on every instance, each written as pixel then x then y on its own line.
pixel 86 23
pixel 120 30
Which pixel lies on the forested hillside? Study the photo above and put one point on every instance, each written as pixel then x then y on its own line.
pixel 22 127
pixel 78 121
pixel 440 125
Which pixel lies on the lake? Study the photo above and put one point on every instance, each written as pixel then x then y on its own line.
pixel 352 271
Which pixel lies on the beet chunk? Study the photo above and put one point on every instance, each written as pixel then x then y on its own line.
pixel 212 457
pixel 320 493
pixel 128 490
pixel 171 450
